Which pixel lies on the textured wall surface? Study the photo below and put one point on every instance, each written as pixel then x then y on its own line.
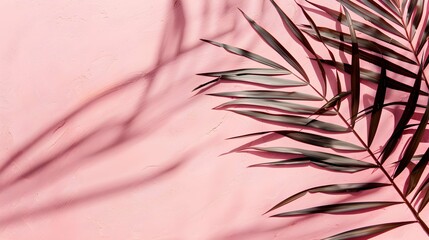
pixel 102 138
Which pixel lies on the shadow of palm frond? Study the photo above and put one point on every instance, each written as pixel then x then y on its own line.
pixel 138 123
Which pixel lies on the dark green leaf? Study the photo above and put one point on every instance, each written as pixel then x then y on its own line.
pixel 367 231
pixel 423 38
pixel 369 109
pixel 264 80
pixel 426 62
pixel 293 161
pixel 329 189
pixel 305 160
pixel 338 208
pixel 293 120
pixel 287 23
pixel 247 54
pixel 339 90
pixel 414 143
pixel 378 105
pixel 337 168
pixel 405 118
pixel 355 74
pixel 313 139
pixel 332 102
pixel 361 27
pixel 273 104
pixel 206 84
pixel 373 77
pixel 316 30
pixel 404 2
pixel 276 45
pixel 369 16
pixel 380 10
pixel 363 43
pixel 327 158
pixel 415 175
pixel 422 187
pixel 248 71
pixel 410 10
pixel 393 8
pixel 417 17
pixel 268 94
pixel 424 202
pixel 320 141
pixel 370 58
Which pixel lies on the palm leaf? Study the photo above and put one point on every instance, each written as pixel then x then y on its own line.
pixel 382 11
pixel 268 94
pixel 273 104
pixel 288 24
pixel 276 45
pixel 367 231
pixel 405 118
pixel 384 25
pixel 338 208
pixel 330 189
pixel 310 138
pixel 241 52
pixel 355 73
pixel 292 120
pixel 369 16
pixel 361 27
pixel 414 143
pixel 414 177
pixel 363 43
pixel 378 106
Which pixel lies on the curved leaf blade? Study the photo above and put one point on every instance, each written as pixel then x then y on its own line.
pixel 273 104
pixel 293 120
pixel 268 94
pixel 264 80
pixel 416 173
pixel 378 105
pixel 380 10
pixel 367 231
pixel 332 102
pixel 371 58
pixel 325 158
pixel 417 17
pixel 363 43
pixel 276 45
pixel 405 118
pixel 248 71
pixel 319 140
pixel 244 53
pixel 355 74
pixel 310 138
pixel 373 77
pixel 392 7
pixel 338 208
pixel 410 9
pixel 413 144
pixel 361 27
pixel 330 189
pixel 288 162
pixel 287 23
pixel 369 16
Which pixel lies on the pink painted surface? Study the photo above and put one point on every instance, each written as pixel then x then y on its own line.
pixel 102 138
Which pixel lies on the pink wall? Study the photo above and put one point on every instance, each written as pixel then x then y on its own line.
pixel 102 138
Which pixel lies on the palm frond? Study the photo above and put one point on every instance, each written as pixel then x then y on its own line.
pixel 381 35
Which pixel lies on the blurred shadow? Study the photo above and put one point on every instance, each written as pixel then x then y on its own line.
pixel 46 170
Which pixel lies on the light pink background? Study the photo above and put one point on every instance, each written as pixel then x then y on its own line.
pixel 102 138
